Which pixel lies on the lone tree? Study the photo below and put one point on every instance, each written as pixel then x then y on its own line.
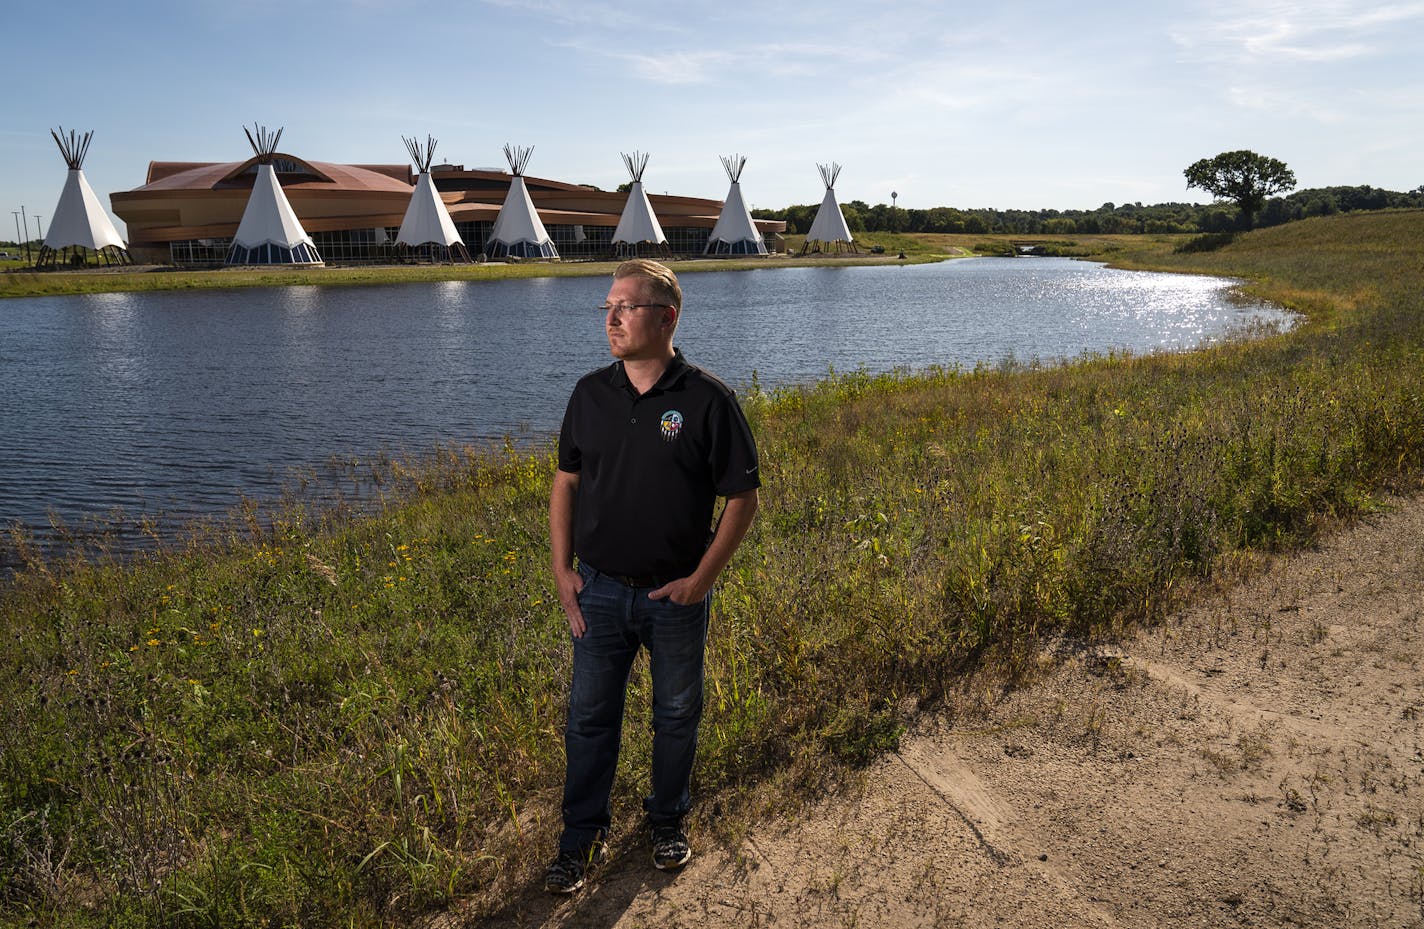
pixel 1243 177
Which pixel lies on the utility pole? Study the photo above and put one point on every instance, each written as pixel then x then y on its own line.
pixel 27 232
pixel 18 237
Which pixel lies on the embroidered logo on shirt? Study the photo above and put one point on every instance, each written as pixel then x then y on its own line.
pixel 671 425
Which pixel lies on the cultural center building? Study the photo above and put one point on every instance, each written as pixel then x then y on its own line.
pixel 187 212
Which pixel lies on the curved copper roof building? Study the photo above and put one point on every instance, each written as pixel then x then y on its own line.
pixel 187 212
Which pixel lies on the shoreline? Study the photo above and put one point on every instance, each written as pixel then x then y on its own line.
pixel 147 278
pixel 918 248
pixel 322 483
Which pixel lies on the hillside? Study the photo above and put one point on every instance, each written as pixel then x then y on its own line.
pixel 1254 761
pixel 347 718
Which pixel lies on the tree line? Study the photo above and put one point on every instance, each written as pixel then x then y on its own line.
pixel 1110 218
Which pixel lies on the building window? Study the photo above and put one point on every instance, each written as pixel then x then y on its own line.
pixel 377 244
pixel 199 251
pixel 474 235
pixel 367 244
pixel 687 240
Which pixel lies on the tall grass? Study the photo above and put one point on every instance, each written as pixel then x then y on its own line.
pixel 338 720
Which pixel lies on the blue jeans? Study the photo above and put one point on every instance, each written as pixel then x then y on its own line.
pixel 621 620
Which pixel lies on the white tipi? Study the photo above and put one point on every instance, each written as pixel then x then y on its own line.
pixel 518 231
pixel 270 232
pixel 427 227
pixel 735 233
pixel 79 224
pixel 829 227
pixel 638 225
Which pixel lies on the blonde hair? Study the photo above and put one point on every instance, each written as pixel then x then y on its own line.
pixel 661 283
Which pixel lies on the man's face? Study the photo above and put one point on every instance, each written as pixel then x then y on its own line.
pixel 636 334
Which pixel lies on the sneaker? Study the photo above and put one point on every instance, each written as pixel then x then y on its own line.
pixel 670 848
pixel 565 874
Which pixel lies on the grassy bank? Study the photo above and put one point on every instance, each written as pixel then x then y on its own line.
pixel 32 284
pixel 350 721
pixel 16 282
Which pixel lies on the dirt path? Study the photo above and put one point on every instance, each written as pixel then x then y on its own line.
pixel 1258 761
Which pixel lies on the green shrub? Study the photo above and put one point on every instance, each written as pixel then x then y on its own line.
pixel 999 248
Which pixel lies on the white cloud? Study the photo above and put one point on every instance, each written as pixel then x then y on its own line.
pixel 578 13
pixel 1277 103
pixel 1280 31
pixel 741 68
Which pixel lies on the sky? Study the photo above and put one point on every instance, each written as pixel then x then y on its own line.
pixel 1025 105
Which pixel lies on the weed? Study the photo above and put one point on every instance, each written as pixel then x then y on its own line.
pixel 1254 748
pixel 1375 819
pixel 1207 242
pixel 1318 631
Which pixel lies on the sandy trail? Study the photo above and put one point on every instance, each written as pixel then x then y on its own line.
pixel 1256 761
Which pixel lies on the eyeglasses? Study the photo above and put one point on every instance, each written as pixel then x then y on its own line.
pixel 618 309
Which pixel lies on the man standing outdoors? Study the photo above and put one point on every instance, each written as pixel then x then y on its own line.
pixel 647 445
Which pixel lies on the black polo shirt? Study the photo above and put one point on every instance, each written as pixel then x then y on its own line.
pixel 651 467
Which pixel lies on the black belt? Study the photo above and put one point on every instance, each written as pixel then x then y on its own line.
pixel 634 580
pixel 628 580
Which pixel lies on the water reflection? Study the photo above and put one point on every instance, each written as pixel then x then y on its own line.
pixel 182 402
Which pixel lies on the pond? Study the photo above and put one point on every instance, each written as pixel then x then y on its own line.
pixel 181 404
